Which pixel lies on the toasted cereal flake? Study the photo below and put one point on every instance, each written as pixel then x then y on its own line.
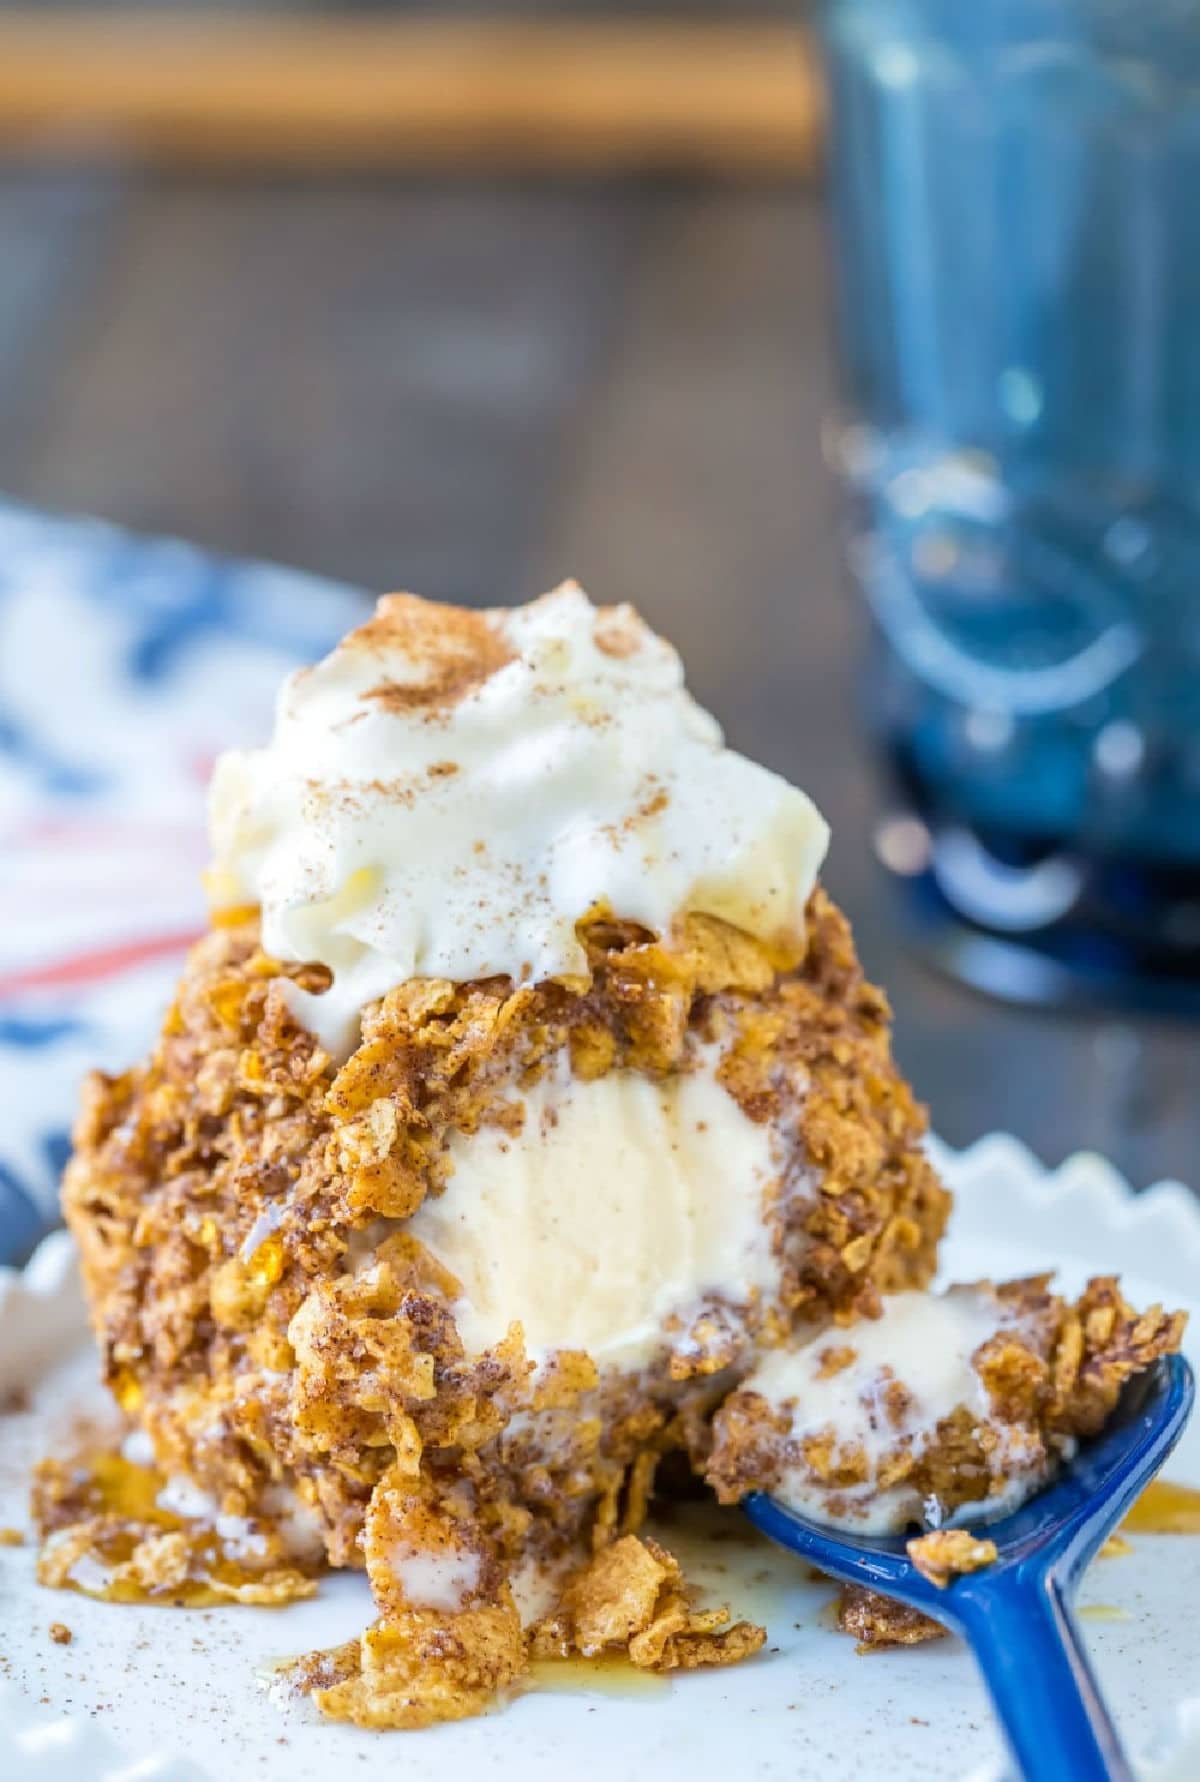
pixel 944 1552
pixel 879 1622
pixel 419 1667
pixel 632 1596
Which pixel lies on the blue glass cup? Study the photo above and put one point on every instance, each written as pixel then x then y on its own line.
pixel 1015 198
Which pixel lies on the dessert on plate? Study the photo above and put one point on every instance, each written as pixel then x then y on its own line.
pixel 523 1132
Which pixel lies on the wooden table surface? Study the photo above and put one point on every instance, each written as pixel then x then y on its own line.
pixel 474 390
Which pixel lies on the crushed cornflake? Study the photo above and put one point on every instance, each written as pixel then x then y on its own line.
pixel 945 1552
pixel 632 1598
pixel 106 1536
pixel 879 1622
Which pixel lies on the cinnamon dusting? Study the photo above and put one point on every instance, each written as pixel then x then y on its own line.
pixel 453 650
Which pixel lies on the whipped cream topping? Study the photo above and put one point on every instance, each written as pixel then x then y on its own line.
pixel 621 1203
pixel 450 791
pixel 927 1342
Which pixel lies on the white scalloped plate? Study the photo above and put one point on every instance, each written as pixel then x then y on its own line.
pixel 176 1695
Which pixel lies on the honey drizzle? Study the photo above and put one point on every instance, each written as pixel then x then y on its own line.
pixel 1165 1508
pixel 608 1673
pixel 120 1498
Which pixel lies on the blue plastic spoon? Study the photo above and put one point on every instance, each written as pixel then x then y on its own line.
pixel 1016 1613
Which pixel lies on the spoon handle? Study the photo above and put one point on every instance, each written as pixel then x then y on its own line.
pixel 1028 1647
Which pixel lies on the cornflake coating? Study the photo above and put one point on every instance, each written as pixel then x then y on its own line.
pixel 632 1598
pixel 879 1622
pixel 418 1668
pixel 264 1315
pixel 945 1552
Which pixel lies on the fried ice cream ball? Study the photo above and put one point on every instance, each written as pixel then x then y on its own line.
pixel 246 1211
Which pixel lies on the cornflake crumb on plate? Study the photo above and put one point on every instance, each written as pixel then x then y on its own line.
pixel 879 1623
pixel 946 1552
pixel 632 1596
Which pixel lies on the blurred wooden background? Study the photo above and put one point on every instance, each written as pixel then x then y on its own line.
pixel 398 90
pixel 473 385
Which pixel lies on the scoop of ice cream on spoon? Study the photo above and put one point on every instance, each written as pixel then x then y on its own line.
pixel 1009 1590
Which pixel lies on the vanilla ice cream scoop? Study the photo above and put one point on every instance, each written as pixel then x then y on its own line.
pixel 450 791
pixel 619 1207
